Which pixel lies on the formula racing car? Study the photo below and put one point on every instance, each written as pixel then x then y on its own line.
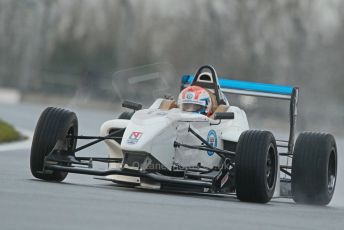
pixel 168 148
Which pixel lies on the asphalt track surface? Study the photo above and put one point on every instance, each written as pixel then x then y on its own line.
pixel 81 202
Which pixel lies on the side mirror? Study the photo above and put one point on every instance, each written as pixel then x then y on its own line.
pixel 224 116
pixel 131 105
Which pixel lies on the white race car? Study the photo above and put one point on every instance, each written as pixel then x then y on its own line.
pixel 163 147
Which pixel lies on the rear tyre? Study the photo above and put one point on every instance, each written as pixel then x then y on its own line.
pixel 54 124
pixel 314 168
pixel 256 166
pixel 126 115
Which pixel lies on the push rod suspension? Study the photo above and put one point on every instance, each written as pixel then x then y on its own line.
pixel 110 136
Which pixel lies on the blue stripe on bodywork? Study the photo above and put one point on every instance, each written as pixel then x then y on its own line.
pixel 246 85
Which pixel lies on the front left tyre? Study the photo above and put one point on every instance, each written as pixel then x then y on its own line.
pixel 54 125
pixel 256 165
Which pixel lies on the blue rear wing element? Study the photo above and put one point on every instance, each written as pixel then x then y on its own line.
pixel 249 88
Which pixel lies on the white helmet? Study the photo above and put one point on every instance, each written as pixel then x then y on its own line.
pixel 195 99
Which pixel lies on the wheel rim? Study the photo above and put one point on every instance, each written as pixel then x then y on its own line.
pixel 271 168
pixel 331 174
pixel 71 141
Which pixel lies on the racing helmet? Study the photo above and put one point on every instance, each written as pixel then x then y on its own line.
pixel 195 99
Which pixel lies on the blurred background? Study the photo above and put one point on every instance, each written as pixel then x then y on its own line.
pixel 68 51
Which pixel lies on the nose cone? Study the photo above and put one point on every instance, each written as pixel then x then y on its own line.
pixel 145 127
pixel 151 132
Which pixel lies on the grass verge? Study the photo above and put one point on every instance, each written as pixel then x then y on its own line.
pixel 8 133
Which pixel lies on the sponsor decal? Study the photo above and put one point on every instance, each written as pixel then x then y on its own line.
pixel 189 95
pixel 212 140
pixel 134 138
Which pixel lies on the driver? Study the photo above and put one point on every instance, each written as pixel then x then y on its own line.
pixel 195 99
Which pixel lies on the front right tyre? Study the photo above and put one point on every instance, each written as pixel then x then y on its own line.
pixel 54 125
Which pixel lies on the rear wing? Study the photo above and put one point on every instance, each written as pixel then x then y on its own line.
pixel 255 89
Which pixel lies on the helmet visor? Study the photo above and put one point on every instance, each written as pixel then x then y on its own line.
pixel 189 107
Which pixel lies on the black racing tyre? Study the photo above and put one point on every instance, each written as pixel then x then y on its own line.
pixel 126 115
pixel 54 124
pixel 314 168
pixel 256 165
